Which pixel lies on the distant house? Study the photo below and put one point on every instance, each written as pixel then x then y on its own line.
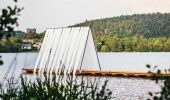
pixel 31 33
pixel 37 45
pixel 26 46
pixel 31 30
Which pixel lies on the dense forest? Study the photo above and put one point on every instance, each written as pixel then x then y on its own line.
pixel 138 32
pixel 148 25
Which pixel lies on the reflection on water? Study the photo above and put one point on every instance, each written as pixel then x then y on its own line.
pixel 123 88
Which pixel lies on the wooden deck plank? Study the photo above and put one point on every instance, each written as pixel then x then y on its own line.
pixel 104 73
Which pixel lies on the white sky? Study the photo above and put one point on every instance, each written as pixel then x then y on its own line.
pixel 42 14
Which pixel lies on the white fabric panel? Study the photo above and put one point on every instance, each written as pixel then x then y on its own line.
pixel 53 65
pixel 66 48
pixel 46 51
pixel 41 51
pixel 57 34
pixel 64 39
pixel 41 54
pixel 83 38
pixel 72 49
pixel 90 60
pixel 75 51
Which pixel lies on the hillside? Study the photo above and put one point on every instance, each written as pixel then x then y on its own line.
pixel 148 25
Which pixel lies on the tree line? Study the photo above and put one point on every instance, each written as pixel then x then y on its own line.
pixel 136 43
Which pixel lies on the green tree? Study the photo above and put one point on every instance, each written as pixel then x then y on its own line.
pixel 8 21
pixel 104 48
pixel 127 44
pixel 167 45
pixel 157 45
pixel 13 44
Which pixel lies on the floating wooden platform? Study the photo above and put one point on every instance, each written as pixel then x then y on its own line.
pixel 106 73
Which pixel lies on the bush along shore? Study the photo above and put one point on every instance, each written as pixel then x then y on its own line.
pixel 54 88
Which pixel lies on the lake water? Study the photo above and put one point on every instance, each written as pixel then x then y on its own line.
pixel 123 88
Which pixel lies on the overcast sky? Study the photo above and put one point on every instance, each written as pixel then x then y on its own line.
pixel 42 14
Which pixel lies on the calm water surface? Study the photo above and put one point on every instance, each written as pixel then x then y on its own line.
pixel 123 88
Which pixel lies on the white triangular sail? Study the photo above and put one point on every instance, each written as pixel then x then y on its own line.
pixel 90 58
pixel 66 50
